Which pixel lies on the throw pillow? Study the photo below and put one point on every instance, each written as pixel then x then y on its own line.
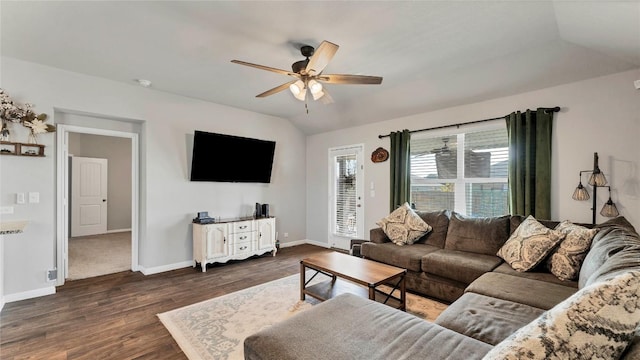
pixel 597 322
pixel 529 244
pixel 403 226
pixel 565 261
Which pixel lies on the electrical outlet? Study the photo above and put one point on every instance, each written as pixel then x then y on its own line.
pixel 6 210
pixel 286 235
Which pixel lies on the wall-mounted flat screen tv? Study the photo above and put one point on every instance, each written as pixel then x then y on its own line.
pixel 228 158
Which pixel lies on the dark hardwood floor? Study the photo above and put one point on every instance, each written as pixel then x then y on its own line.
pixel 114 316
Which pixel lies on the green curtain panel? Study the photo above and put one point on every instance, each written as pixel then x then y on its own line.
pixel 400 168
pixel 530 163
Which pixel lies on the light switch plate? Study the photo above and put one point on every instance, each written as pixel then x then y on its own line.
pixel 34 197
pixel 20 198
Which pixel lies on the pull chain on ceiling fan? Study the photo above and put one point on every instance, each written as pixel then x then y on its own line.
pixel 308 74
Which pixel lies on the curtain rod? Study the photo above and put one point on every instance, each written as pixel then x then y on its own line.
pixel 553 109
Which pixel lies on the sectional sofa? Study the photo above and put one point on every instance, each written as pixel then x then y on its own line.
pixel 495 311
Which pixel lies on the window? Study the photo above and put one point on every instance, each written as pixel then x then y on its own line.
pixel 464 171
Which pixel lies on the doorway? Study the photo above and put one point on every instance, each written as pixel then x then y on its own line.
pixel 346 179
pixel 108 217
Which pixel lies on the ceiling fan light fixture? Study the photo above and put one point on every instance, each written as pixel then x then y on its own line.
pixel 315 87
pixel 297 87
pixel 298 90
pixel 317 95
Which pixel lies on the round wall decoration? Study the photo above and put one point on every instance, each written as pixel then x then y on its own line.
pixel 379 155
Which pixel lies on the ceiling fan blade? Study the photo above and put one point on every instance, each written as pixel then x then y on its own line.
pixel 326 99
pixel 321 57
pixel 349 79
pixel 279 71
pixel 276 89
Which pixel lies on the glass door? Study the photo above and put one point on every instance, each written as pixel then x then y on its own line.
pixel 346 195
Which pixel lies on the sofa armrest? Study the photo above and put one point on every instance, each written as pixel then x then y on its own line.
pixel 378 236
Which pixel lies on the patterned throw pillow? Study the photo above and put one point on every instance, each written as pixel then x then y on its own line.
pixel 404 226
pixel 529 244
pixel 566 260
pixel 597 322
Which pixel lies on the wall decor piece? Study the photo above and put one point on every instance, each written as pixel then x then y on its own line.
pixel 11 111
pixel 379 155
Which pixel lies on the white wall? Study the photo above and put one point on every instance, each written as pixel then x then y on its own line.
pixel 168 122
pixel 598 115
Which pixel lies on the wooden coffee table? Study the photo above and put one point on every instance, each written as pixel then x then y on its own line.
pixel 358 272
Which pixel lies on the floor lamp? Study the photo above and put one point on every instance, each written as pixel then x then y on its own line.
pixel 596 180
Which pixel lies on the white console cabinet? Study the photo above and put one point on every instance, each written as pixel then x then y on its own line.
pixel 233 240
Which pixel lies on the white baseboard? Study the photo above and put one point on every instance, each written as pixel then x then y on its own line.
pixel 49 290
pixel 163 268
pixel 316 243
pixel 117 231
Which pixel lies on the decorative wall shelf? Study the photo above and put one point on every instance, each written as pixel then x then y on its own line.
pixel 21 149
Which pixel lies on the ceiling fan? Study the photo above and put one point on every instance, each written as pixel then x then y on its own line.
pixel 444 150
pixel 308 74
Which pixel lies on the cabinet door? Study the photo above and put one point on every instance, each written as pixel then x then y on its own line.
pixel 216 241
pixel 266 234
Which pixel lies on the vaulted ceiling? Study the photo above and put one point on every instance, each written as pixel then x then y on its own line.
pixel 431 54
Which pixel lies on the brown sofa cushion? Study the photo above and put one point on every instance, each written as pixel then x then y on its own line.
pixel 350 327
pixel 477 235
pixel 539 273
pixel 459 265
pixel 407 257
pixel 530 292
pixel 485 318
pixel 439 221
pixel 614 249
pixel 598 321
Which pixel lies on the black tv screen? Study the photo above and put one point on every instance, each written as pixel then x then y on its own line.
pixel 228 158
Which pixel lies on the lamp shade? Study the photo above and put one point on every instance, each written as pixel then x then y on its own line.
pixel 580 193
pixel 609 209
pixel 597 178
pixel 315 87
pixel 298 90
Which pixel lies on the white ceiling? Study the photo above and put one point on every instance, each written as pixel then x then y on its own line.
pixel 431 54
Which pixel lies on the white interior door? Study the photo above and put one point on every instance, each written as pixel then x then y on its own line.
pixel 88 196
pixel 346 188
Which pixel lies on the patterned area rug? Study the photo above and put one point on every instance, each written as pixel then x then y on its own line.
pixel 216 328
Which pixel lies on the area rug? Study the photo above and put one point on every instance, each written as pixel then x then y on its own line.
pixel 216 328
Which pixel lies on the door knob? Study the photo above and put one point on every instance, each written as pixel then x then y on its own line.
pixel 104 200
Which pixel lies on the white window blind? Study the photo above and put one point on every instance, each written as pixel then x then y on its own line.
pixel 346 196
pixel 465 172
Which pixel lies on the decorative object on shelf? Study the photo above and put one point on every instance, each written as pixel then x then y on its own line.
pixel 596 180
pixel 23 114
pixel 5 134
pixel 379 155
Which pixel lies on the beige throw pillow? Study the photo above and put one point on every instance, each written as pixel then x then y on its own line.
pixel 529 244
pixel 403 226
pixel 565 261
pixel 597 322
